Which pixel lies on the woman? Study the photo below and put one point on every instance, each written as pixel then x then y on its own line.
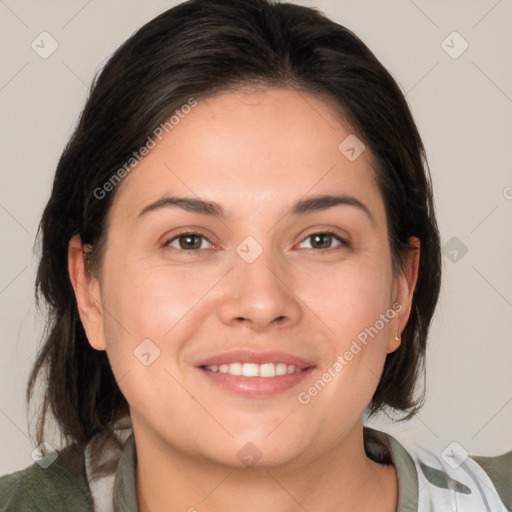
pixel 241 257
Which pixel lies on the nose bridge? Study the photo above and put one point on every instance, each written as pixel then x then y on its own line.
pixel 262 275
pixel 258 291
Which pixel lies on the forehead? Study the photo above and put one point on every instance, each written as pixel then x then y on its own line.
pixel 252 151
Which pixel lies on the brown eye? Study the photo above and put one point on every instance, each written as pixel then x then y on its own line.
pixel 323 240
pixel 187 241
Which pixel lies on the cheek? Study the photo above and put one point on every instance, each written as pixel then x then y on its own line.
pixel 151 301
pixel 350 297
pixel 355 307
pixel 138 311
pixel 151 310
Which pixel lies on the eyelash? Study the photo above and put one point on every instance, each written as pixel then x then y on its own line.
pixel 192 252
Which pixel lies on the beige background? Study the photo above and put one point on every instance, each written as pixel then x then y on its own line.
pixel 463 107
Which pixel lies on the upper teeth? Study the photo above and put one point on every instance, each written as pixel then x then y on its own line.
pixel 254 369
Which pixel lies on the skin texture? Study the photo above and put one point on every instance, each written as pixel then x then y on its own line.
pixel 256 153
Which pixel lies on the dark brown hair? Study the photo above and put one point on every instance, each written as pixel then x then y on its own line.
pixel 196 49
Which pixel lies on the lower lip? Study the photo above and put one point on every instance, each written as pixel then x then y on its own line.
pixel 257 386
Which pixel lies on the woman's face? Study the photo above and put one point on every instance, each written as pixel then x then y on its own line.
pixel 266 283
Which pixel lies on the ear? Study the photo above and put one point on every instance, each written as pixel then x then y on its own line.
pixel 404 286
pixel 87 294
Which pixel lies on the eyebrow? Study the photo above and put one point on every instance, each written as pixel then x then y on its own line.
pixel 301 207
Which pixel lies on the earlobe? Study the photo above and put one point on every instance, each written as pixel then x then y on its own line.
pixel 87 294
pixel 394 342
pixel 406 283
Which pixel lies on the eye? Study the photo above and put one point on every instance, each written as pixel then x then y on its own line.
pixel 187 241
pixel 324 239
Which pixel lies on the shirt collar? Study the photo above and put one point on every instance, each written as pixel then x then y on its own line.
pixel 384 448
pixel 125 489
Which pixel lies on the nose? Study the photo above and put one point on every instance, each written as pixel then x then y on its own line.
pixel 260 294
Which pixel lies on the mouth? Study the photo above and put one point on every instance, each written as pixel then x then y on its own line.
pixel 255 374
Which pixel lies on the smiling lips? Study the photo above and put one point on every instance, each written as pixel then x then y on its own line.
pixel 256 374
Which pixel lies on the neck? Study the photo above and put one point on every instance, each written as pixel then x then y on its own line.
pixel 342 479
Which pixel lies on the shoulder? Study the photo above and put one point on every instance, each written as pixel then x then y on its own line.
pixel 62 486
pixel 499 470
pixel 455 477
pixel 444 479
